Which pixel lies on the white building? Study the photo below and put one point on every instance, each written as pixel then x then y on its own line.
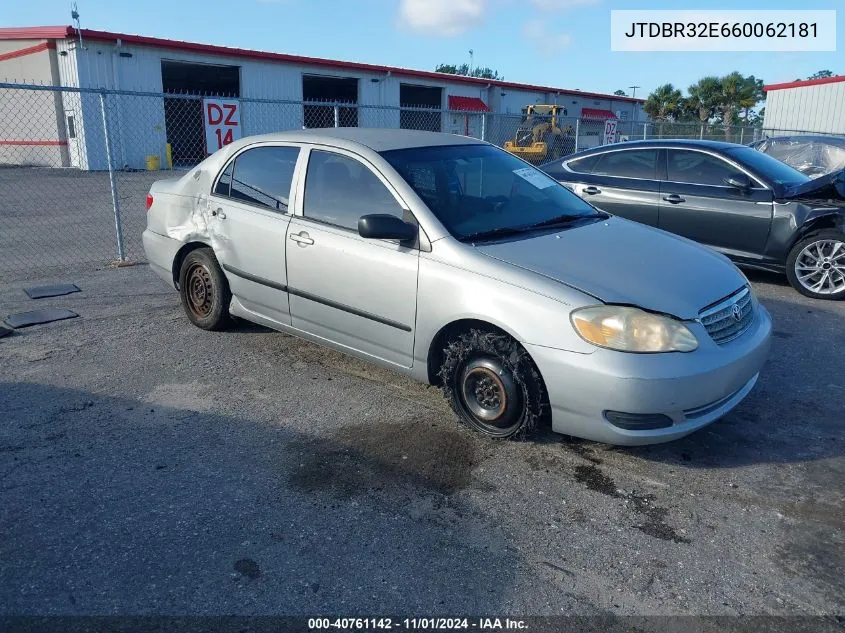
pixel 68 126
pixel 814 105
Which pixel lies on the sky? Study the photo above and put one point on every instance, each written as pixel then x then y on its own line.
pixel 560 43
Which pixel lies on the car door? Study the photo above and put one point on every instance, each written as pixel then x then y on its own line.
pixel 622 182
pixel 696 202
pixel 356 292
pixel 249 210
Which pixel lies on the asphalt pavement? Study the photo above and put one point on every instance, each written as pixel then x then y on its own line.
pixel 149 467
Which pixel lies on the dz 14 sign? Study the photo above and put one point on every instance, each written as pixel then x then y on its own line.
pixel 222 121
pixel 609 132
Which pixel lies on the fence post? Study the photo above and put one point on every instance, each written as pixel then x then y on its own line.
pixel 577 132
pixel 337 116
pixel 645 131
pixel 701 133
pixel 484 126
pixel 118 225
pixel 741 134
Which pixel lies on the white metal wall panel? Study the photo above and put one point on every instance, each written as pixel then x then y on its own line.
pixel 31 130
pixel 819 108
pixel 137 124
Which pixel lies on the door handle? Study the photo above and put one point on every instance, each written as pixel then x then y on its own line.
pixel 219 213
pixel 301 238
pixel 591 191
pixel 674 199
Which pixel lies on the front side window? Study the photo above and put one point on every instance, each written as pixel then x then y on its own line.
pixel 698 168
pixel 339 190
pixel 773 170
pixel 261 176
pixel 478 189
pixel 628 164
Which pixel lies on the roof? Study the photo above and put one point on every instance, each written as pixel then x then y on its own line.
pixel 467 104
pixel 674 142
pixel 805 82
pixel 63 32
pixel 597 113
pixel 377 139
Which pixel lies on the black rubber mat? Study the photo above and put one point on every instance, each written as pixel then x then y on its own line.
pixel 37 317
pixel 53 290
pixel 4 331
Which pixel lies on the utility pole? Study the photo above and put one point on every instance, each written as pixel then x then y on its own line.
pixel 470 61
pixel 634 106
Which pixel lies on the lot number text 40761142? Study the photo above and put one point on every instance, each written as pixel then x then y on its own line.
pixel 417 624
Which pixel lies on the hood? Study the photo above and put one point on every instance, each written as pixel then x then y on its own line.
pixel 618 261
pixel 828 187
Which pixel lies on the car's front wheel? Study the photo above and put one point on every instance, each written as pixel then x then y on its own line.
pixel 204 290
pixel 816 265
pixel 492 384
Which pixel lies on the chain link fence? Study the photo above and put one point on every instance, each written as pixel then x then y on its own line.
pixel 76 165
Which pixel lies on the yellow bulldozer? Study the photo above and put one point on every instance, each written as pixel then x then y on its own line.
pixel 540 136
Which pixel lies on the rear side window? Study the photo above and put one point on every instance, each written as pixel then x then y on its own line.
pixel 224 182
pixel 584 165
pixel 627 164
pixel 260 176
pixel 339 190
pixel 698 168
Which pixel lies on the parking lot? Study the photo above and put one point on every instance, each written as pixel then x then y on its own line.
pixel 147 466
pixel 54 220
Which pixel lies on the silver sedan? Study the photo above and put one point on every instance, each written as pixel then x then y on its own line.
pixel 453 261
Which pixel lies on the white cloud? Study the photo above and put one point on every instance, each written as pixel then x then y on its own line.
pixel 446 18
pixel 561 5
pixel 547 42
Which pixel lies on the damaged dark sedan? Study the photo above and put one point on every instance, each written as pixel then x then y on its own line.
pixel 753 208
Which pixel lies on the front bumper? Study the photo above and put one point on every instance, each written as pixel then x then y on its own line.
pixel 692 389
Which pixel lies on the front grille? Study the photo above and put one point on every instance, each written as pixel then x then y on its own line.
pixel 729 318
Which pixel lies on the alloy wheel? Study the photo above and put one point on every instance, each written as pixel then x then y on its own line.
pixel 820 267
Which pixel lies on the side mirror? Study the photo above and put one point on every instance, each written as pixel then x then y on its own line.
pixel 738 180
pixel 383 226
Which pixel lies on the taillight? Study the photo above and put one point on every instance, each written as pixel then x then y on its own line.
pixel 149 201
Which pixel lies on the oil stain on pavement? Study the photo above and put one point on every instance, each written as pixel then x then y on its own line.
pixel 382 457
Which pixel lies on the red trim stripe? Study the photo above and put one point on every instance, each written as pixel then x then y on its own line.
pixel 35 32
pixel 806 82
pixel 29 50
pixel 32 142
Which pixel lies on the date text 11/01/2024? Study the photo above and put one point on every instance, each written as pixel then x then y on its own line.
pixel 722 30
pixel 421 624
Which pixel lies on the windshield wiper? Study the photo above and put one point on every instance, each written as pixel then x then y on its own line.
pixel 499 231
pixel 563 219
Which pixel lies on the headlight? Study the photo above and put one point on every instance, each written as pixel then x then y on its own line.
pixel 632 330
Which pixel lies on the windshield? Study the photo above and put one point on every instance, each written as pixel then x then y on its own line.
pixel 480 189
pixel 768 167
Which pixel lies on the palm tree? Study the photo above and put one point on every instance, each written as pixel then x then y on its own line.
pixel 737 94
pixel 703 99
pixel 755 89
pixel 663 104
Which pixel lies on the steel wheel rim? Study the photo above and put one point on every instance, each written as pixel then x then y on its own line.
pixel 199 291
pixel 489 395
pixel 820 267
